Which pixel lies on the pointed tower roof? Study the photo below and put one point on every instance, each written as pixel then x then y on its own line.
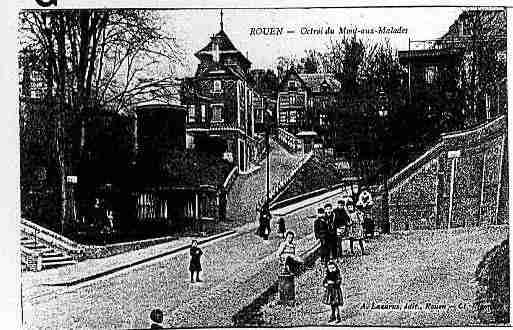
pixel 225 45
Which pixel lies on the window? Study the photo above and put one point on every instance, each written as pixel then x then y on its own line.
pixel 292 85
pixel 217 86
pixel 465 29
pixel 191 113
pixel 292 99
pixel 203 113
pixel 217 113
pixel 430 74
pixel 323 119
pixel 293 116
pixel 488 105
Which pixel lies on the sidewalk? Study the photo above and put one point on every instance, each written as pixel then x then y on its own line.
pixel 90 269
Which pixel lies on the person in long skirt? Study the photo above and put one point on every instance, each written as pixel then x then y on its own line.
pixel 281 227
pixel 355 226
pixel 195 265
pixel 333 291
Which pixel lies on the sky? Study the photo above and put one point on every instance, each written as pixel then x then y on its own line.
pixel 193 29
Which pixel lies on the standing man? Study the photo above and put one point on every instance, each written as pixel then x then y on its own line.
pixel 341 221
pixel 332 231
pixel 321 233
pixel 265 223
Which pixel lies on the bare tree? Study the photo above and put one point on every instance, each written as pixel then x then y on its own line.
pixel 96 59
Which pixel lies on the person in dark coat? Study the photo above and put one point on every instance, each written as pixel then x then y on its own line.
pixel 321 233
pixel 156 317
pixel 97 214
pixel 281 226
pixel 333 294
pixel 265 224
pixel 195 265
pixel 342 222
pixel 332 231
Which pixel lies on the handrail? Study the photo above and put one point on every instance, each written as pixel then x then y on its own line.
pixel 416 162
pixel 49 236
pixel 230 178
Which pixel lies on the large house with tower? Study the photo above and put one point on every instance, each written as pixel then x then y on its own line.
pixel 219 101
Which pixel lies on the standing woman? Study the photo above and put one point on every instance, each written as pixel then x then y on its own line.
pixel 281 227
pixel 355 226
pixel 333 294
pixel 195 265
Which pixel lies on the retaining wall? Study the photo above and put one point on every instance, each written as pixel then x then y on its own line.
pixel 461 181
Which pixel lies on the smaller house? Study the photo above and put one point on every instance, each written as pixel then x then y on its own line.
pixel 306 100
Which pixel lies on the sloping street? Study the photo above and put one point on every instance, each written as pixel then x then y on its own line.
pixel 414 279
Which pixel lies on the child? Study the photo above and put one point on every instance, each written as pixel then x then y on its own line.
pixel 287 255
pixel 195 265
pixel 156 317
pixel 355 227
pixel 333 293
pixel 281 227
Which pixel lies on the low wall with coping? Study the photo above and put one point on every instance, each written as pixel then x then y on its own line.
pixel 81 251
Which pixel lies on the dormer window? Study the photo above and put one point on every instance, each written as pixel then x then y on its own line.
pixel 292 85
pixel 217 86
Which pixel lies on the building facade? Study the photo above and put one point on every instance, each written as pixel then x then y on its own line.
pixel 220 101
pixel 305 101
pixel 462 75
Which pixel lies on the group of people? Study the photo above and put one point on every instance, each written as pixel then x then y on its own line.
pixel 333 226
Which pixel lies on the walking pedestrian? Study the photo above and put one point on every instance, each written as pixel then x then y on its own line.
pixel 287 255
pixel 195 265
pixel 156 317
pixel 281 227
pixel 332 231
pixel 333 291
pixel 356 226
pixel 321 233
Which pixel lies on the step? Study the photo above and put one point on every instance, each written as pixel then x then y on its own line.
pixel 55 264
pixel 35 246
pixel 48 260
pixel 52 253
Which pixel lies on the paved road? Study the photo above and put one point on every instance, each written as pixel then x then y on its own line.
pixel 433 268
pixel 125 300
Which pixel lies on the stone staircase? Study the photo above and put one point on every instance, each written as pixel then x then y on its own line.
pixel 44 256
pixel 248 192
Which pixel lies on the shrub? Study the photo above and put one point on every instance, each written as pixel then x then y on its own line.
pixel 492 275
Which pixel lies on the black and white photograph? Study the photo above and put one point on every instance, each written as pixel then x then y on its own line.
pixel 280 167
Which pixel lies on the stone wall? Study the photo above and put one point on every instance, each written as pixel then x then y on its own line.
pixel 462 181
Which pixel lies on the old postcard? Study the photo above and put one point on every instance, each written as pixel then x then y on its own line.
pixel 280 166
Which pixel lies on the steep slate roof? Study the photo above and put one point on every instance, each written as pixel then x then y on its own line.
pixel 224 43
pixel 314 81
pixel 225 46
